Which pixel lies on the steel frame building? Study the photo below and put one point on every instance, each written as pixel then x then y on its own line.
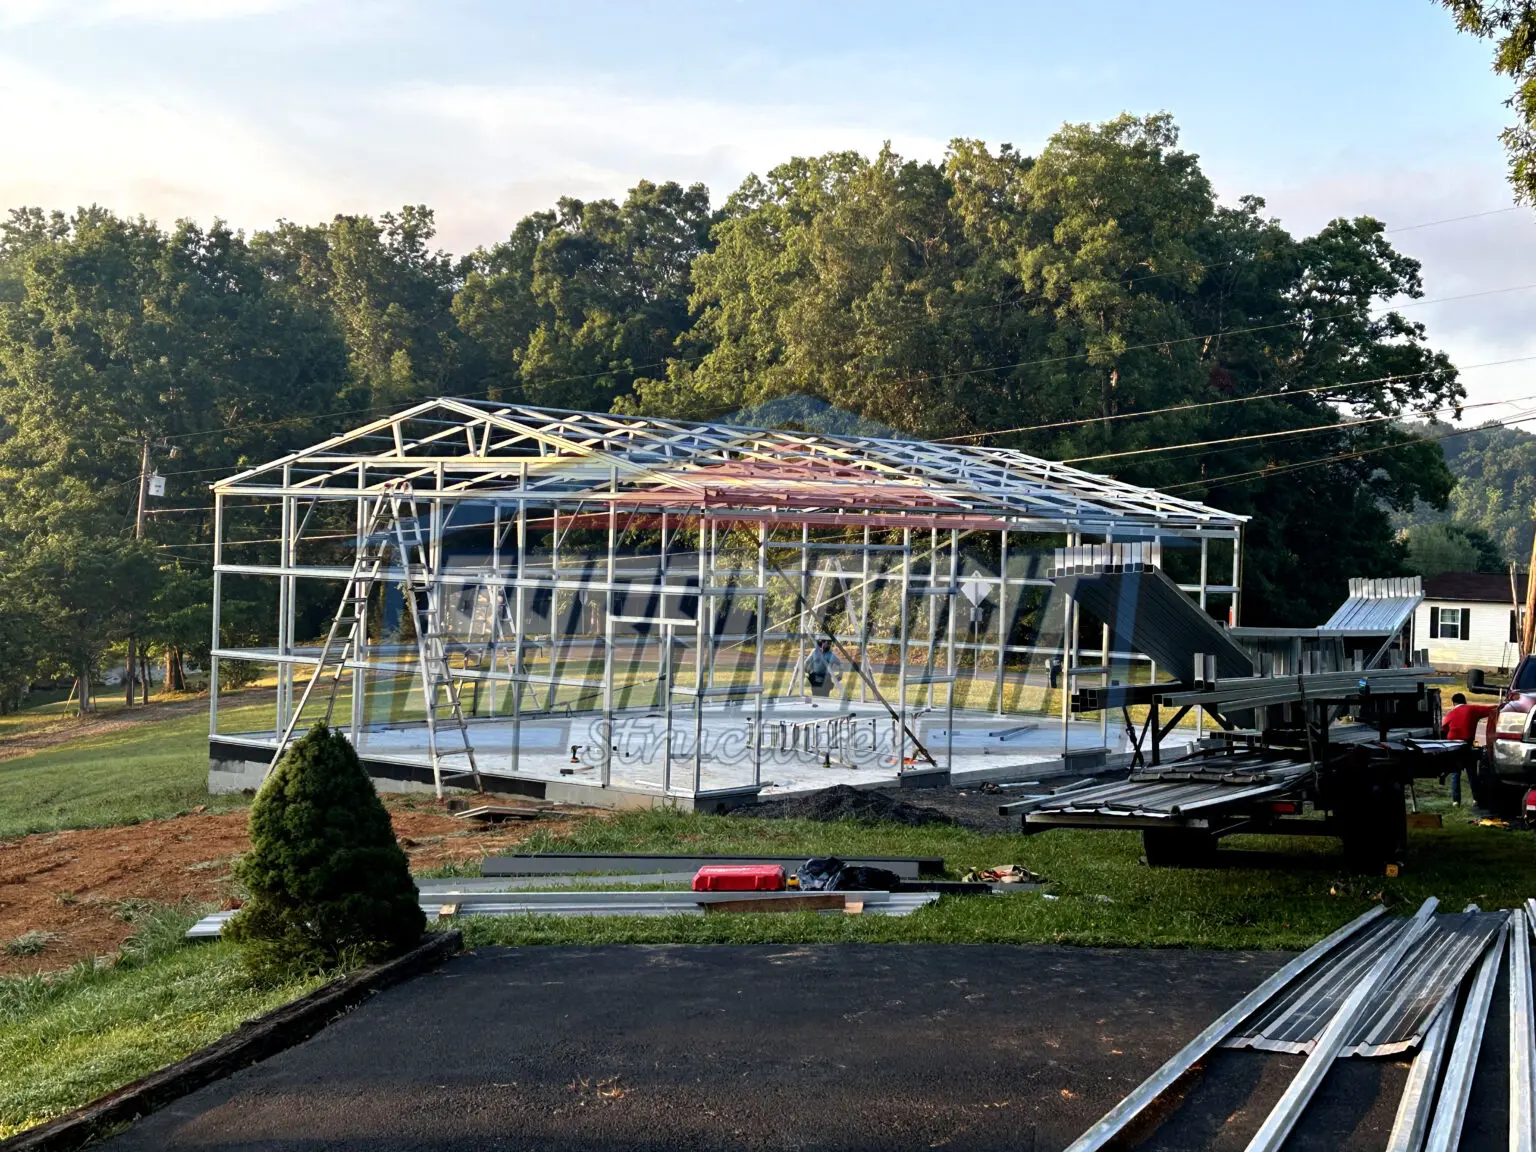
pixel 509 472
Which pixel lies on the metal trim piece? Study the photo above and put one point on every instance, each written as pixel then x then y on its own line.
pixel 1413 1110
pixel 1451 1107
pixel 1522 1040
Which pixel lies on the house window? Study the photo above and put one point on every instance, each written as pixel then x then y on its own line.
pixel 1453 624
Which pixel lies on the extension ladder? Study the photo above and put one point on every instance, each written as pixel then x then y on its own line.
pixel 393 522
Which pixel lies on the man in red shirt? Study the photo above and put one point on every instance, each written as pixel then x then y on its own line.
pixel 1461 723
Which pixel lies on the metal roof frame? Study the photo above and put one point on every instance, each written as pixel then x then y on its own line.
pixel 460 449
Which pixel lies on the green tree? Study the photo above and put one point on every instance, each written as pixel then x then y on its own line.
pixel 83 590
pixel 114 330
pixel 1450 547
pixel 329 883
pixel 579 302
pixel 389 292
pixel 1066 292
pixel 1511 25
pixel 835 278
pixel 1495 471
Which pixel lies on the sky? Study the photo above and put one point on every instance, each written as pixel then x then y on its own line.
pixel 256 110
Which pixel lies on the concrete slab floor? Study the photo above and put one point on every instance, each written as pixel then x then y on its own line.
pixel 981 741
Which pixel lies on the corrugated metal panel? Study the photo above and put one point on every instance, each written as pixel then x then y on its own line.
pixel 1174 791
pixel 1146 612
pixel 1406 1005
pixel 1403 1007
pixel 1376 607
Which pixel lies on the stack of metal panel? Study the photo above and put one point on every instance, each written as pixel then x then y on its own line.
pixel 1380 987
pixel 1167 794
pixel 1147 612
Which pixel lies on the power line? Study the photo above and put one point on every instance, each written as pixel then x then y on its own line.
pixel 1285 432
pixel 1282 469
pixel 1281 393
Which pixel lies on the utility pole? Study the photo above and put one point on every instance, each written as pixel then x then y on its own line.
pixel 144 443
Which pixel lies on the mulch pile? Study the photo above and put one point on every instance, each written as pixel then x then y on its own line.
pixel 845 803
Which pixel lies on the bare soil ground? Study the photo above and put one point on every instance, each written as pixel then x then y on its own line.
pixel 84 888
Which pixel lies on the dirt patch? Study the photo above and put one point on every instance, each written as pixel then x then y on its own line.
pixel 85 888
pixel 842 802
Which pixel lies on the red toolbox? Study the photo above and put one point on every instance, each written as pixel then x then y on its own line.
pixel 739 878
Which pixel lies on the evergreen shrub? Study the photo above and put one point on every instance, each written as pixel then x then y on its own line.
pixel 329 884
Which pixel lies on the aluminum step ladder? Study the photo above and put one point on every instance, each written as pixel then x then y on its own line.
pixel 493 635
pixel 393 523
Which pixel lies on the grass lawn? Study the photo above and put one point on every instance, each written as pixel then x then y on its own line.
pixel 151 770
pixel 1291 892
pixel 68 1039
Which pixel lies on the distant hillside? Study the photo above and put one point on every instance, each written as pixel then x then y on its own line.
pixel 1495 470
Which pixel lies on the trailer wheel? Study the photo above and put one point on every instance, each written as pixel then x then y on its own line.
pixel 1375 829
pixel 1178 848
pixel 1489 792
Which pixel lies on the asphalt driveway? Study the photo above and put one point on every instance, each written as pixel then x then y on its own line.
pixel 837 1047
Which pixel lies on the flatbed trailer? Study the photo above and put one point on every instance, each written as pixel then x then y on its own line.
pixel 1335 758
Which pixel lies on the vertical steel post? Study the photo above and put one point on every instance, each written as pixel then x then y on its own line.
pixel 951 666
pixel 554 603
pixel 519 628
pixel 1068 651
pixel 608 603
pixel 805 609
pixel 951 660
pixel 1205 569
pixel 668 670
pixel 1002 616
pixel 360 677
pixel 714 537
pixel 864 576
pixel 1233 617
pixel 698 658
pixel 218 600
pixel 1104 664
pixel 496 594
pixel 285 608
pixel 901 651
pixel 932 606
pixel 757 663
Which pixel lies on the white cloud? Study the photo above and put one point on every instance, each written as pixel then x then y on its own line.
pixel 1475 259
pixel 141 151
pixel 18 12
pixel 514 149
pixel 483 157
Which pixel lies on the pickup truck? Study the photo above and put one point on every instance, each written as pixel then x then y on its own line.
pixel 1507 769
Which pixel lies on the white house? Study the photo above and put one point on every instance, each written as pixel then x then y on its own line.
pixel 1468 620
